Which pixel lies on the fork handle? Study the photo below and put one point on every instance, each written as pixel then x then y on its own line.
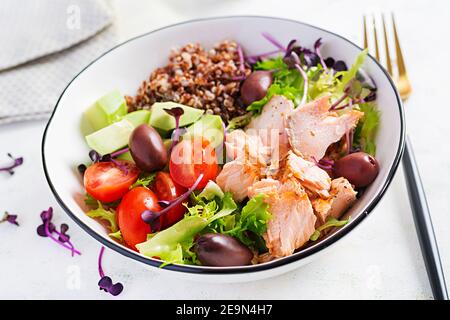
pixel 424 226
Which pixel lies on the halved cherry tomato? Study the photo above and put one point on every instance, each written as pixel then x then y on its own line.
pixel 167 189
pixel 189 159
pixel 134 230
pixel 106 182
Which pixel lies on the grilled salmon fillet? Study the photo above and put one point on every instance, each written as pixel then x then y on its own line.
pixel 312 128
pixel 270 125
pixel 342 196
pixel 310 175
pixel 293 219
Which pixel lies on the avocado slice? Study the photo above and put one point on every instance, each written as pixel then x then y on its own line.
pixel 106 110
pixel 111 138
pixel 138 117
pixel 210 127
pixel 161 120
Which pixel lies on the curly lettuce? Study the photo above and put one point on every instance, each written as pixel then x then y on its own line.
pixel 365 131
pixel 173 245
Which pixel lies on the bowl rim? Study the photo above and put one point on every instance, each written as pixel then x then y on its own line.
pixel 239 269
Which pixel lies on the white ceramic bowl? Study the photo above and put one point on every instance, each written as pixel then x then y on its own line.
pixel 128 64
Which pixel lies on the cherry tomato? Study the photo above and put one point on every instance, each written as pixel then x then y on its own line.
pixel 189 159
pixel 134 230
pixel 166 189
pixel 106 182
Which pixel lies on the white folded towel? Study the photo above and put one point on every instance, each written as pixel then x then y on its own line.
pixel 44 45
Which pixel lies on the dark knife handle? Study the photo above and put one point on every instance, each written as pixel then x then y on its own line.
pixel 424 226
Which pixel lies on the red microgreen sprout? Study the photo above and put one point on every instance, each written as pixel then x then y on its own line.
pixel 82 169
pixel 152 217
pixel 48 229
pixel 324 164
pixel 241 71
pixel 317 45
pixel 175 112
pixel 273 41
pixel 349 141
pixel 16 162
pixel 280 48
pixel 11 218
pixel 96 157
pixel 105 282
pixel 255 58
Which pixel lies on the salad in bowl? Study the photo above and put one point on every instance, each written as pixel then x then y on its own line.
pixel 224 158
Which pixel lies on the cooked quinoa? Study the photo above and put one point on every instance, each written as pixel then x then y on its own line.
pixel 197 78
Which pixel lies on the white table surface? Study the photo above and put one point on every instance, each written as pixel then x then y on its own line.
pixel 381 258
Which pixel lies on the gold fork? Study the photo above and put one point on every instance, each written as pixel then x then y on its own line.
pixel 416 193
pixel 401 77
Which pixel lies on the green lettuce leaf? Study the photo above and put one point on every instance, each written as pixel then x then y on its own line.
pixel 253 218
pixel 174 243
pixel 330 223
pixel 116 235
pixel 270 64
pixel 108 215
pixel 211 191
pixel 291 93
pixel 239 121
pixel 144 180
pixel 367 128
pixel 350 74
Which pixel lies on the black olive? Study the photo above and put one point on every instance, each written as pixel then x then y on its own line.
pixel 147 149
pixel 359 168
pixel 219 250
pixel 255 86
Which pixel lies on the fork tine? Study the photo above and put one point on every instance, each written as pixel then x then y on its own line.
pixel 375 36
pixel 386 46
pixel 366 41
pixel 398 50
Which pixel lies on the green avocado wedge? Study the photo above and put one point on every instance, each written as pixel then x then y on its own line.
pixel 138 117
pixel 161 120
pixel 106 110
pixel 110 138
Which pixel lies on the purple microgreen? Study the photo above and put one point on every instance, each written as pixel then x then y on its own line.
pixel 290 47
pixel 10 168
pixel 291 60
pixel 224 129
pixel 105 282
pixel 370 97
pixel 10 218
pixel 241 71
pixel 353 91
pixel 273 41
pixel 121 166
pixel 309 57
pixel 47 229
pixel 96 157
pixel 164 203
pixel 349 141
pixel 175 112
pixel 324 164
pixel 255 58
pixel 119 152
pixel 317 45
pixel 339 66
pixel 64 237
pixel 241 60
pixel 82 169
pixel 152 217
pixel 305 83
